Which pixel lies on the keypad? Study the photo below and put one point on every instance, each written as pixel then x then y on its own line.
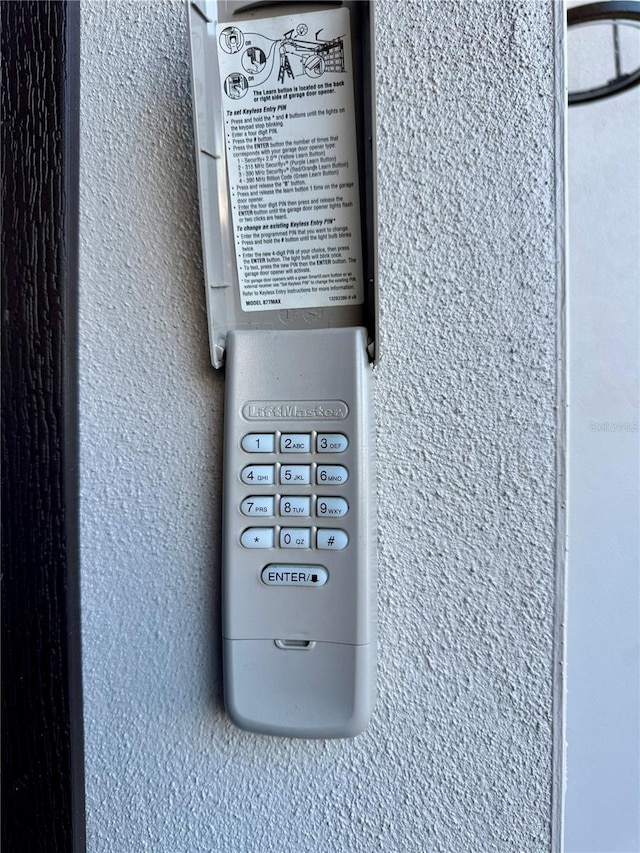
pixel 259 442
pixel 279 473
pixel 258 505
pixel 295 442
pixel 295 537
pixel 331 442
pixel 255 475
pixel 258 537
pixel 295 505
pixel 294 575
pixel 331 475
pixel 332 540
pixel 331 507
pixel 295 475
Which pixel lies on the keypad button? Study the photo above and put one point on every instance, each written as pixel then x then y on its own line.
pixel 331 475
pixel 258 505
pixel 331 442
pixel 295 505
pixel 278 574
pixel 295 475
pixel 255 475
pixel 327 507
pixel 295 537
pixel 295 442
pixel 259 442
pixel 258 537
pixel 332 540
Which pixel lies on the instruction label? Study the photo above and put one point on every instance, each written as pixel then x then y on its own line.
pixel 290 141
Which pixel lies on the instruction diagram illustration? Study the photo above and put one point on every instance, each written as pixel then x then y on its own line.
pixel 291 155
pixel 293 55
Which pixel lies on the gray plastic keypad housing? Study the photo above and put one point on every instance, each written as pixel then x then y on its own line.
pixel 299 622
pixel 299 539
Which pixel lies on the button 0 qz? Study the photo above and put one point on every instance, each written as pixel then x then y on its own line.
pixel 295 537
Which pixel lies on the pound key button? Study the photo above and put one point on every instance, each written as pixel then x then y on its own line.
pixel 332 540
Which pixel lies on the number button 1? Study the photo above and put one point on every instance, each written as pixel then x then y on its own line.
pixel 259 442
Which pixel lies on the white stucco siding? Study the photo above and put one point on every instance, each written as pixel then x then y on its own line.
pixel 458 757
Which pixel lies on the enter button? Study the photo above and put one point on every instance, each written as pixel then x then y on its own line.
pixel 294 575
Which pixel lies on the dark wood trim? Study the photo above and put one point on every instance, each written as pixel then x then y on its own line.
pixel 42 744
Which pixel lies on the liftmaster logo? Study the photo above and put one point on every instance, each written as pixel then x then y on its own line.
pixel 273 410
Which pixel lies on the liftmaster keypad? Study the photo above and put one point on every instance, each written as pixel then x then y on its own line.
pixel 286 163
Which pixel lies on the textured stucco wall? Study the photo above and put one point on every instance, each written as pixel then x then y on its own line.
pixel 459 755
